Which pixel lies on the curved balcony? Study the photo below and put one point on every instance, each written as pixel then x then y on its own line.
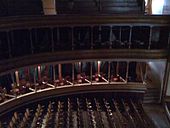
pixel 71 77
pixel 64 42
pixel 17 101
pixel 71 37
pixel 30 41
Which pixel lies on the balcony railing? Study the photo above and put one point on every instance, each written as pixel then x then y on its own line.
pixel 12 101
pixel 95 74
pixel 21 36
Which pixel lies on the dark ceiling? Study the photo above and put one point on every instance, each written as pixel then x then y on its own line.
pixel 34 7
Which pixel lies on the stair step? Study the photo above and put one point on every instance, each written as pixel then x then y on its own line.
pixel 118 1
pixel 119 9
pixel 151 98
pixel 112 4
pixel 152 95
pixel 150 101
pixel 148 93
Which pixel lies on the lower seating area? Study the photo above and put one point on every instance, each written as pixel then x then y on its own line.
pixel 99 110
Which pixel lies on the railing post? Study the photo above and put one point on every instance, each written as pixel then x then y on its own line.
pixel 12 77
pixel 72 38
pixel 120 34
pixel 58 37
pixel 54 72
pixel 150 38
pixel 31 42
pixel 145 76
pixel 91 72
pixel 59 71
pixel 127 72
pixel 109 71
pixel 17 77
pixel 35 79
pixel 9 45
pixel 73 73
pixel 165 81
pixel 130 37
pixel 117 68
pixel 91 37
pixel 52 40
pixel 111 36
pixel 169 41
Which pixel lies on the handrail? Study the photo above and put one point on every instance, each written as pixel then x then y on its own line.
pixel 67 90
pixel 21 22
pixel 76 20
pixel 73 56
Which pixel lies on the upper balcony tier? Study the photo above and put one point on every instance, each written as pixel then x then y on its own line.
pixel 29 37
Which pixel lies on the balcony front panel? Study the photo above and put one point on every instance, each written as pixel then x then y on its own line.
pixel 22 36
pixel 71 56
pixel 81 76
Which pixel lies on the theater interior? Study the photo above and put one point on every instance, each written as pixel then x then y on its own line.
pixel 84 64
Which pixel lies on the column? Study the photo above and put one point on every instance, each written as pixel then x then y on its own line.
pixel 59 71
pixel 73 73
pixel 130 37
pixel 127 71
pixel 150 38
pixel 49 7
pixel 98 67
pixel 54 72
pixel 17 77
pixel 39 72
pixel 109 71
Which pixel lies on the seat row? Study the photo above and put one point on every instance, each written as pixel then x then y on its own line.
pixel 81 112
